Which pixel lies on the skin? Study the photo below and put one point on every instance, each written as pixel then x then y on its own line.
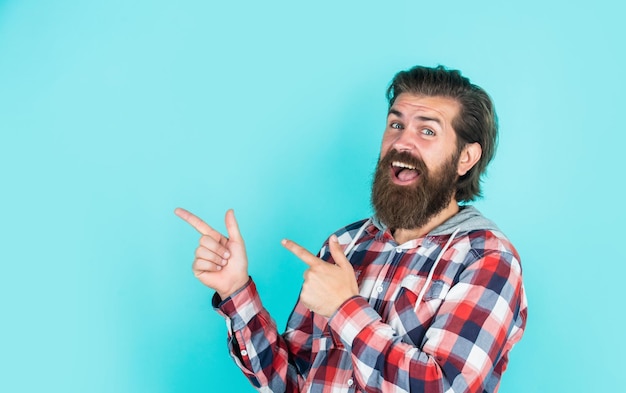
pixel 220 262
pixel 420 125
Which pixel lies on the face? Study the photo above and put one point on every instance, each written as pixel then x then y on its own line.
pixel 421 126
pixel 419 161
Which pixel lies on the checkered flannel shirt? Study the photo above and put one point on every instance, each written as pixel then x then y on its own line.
pixel 457 340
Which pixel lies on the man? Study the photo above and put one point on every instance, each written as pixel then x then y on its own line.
pixel 425 296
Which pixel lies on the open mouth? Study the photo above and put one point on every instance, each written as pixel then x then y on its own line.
pixel 404 173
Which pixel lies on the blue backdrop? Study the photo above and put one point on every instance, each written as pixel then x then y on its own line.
pixel 114 113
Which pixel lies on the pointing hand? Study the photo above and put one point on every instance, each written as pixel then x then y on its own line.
pixel 326 285
pixel 220 262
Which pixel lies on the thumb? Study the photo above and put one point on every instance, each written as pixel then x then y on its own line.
pixel 232 227
pixel 337 252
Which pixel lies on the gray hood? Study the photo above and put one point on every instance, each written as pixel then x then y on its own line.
pixel 467 219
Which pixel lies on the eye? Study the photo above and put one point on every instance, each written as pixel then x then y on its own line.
pixel 395 125
pixel 428 132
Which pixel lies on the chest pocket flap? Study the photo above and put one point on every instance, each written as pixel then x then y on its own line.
pixel 406 321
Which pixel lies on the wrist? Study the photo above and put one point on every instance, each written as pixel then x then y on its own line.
pixel 237 287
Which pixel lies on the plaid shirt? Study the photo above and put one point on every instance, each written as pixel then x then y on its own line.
pixel 457 340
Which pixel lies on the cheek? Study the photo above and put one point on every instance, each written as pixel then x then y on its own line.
pixel 433 163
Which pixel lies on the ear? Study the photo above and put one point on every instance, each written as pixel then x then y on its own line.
pixel 469 157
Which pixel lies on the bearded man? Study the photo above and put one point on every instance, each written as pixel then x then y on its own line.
pixel 425 296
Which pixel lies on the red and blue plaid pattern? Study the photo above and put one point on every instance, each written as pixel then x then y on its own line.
pixel 457 340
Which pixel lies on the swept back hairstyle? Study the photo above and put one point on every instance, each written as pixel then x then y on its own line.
pixel 476 122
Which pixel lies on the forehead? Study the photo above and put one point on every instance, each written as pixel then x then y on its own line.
pixel 410 105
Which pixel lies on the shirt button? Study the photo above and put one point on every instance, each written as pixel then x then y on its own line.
pixel 398 249
pixel 244 353
pixel 350 382
pixel 379 289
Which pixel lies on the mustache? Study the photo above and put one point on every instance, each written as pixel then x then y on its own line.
pixel 403 156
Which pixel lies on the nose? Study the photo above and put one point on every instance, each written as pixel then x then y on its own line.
pixel 404 142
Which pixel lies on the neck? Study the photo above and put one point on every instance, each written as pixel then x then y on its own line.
pixel 404 235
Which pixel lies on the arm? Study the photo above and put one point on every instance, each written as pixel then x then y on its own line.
pixel 265 357
pixel 262 354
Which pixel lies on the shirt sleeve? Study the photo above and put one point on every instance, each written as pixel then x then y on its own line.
pixel 267 359
pixel 473 329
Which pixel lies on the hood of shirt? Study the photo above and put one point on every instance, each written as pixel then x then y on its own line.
pixel 466 220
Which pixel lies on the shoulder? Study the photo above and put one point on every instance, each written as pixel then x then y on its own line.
pixel 356 230
pixel 348 235
pixel 485 246
pixel 489 240
pixel 478 236
pixel 352 228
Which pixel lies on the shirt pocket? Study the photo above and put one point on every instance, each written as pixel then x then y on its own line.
pixel 411 323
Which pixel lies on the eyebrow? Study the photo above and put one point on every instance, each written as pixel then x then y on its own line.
pixel 422 118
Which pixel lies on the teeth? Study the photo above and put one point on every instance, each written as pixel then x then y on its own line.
pixel 402 165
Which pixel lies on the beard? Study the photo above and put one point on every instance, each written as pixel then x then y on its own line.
pixel 412 206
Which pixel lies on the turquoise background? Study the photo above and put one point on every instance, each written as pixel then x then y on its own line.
pixel 114 113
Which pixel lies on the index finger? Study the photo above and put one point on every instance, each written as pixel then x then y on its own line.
pixel 300 252
pixel 197 223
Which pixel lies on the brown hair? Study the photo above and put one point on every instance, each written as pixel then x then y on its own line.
pixel 476 122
